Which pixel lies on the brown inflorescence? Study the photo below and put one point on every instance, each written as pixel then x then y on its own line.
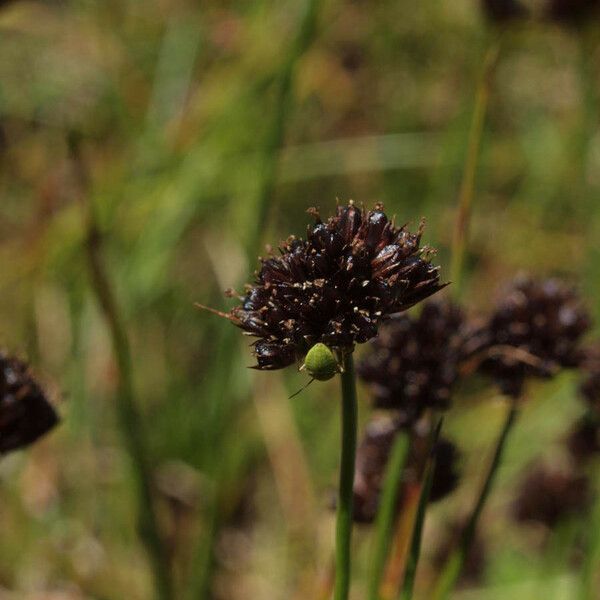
pixel 335 287
pixel 25 412
pixel 413 363
pixel 501 11
pixel 535 330
pixel 571 11
pixel 583 440
pixel 371 464
pixel 590 386
pixel 548 496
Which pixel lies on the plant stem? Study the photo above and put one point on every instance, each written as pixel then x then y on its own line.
pixel 387 511
pixel 415 546
pixel 589 570
pixel 276 130
pixel 467 188
pixel 344 510
pixel 268 168
pixel 456 561
pixel 129 418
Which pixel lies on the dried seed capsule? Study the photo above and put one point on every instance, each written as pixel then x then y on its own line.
pixel 320 362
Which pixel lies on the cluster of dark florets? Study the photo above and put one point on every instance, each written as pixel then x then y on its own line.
pixel 564 12
pixel 535 330
pixel 584 438
pixel 550 495
pixel 571 11
pixel 413 363
pixel 25 412
pixel 501 11
pixel 335 287
pixel 416 361
pixel 371 462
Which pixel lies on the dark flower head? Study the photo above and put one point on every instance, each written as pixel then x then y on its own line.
pixel 414 360
pixel 25 412
pixel 501 11
pixel 371 459
pixel 445 472
pixel 335 287
pixel 371 463
pixel 590 386
pixel 550 496
pixel 583 440
pixel 571 12
pixel 535 330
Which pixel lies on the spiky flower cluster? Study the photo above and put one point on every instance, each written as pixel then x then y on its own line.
pixel 590 386
pixel 414 360
pixel 335 287
pixel 25 412
pixel 550 495
pixel 584 438
pixel 571 11
pixel 535 330
pixel 371 462
pixel 501 11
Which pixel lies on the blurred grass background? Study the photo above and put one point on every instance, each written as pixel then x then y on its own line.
pixel 207 129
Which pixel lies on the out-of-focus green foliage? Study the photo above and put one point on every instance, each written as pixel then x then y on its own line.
pixel 174 102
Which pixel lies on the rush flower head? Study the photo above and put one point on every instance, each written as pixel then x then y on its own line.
pixel 535 330
pixel 583 441
pixel 501 11
pixel 590 386
pixel 571 11
pixel 336 287
pixel 371 462
pixel 25 412
pixel 549 496
pixel 414 361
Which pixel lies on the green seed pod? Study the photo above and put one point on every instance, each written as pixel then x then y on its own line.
pixel 320 362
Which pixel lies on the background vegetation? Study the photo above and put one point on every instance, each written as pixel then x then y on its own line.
pixel 197 131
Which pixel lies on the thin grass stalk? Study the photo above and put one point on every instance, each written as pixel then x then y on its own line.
pixel 384 525
pixel 415 546
pixel 129 418
pixel 588 108
pixel 344 520
pixel 396 564
pixel 467 189
pixel 453 567
pixel 268 177
pixel 588 582
pixel 275 134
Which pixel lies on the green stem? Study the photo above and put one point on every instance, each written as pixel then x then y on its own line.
pixel 415 546
pixel 456 562
pixel 387 511
pixel 268 170
pixel 344 511
pixel 590 567
pixel 129 418
pixel 276 130
pixel 467 188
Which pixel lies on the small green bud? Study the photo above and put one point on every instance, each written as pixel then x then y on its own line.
pixel 320 362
